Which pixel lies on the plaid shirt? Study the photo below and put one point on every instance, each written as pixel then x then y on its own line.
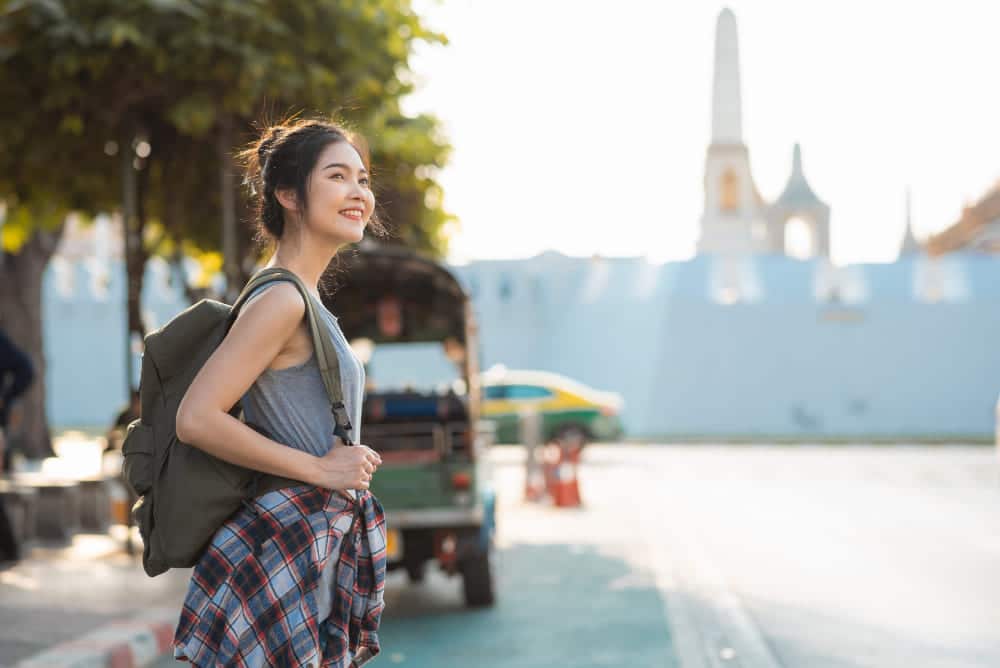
pixel 252 597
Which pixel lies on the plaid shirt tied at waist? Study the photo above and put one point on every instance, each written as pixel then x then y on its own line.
pixel 252 598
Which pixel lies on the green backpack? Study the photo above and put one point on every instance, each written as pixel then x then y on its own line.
pixel 185 494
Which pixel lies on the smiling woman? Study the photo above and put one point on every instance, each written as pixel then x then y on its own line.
pixel 313 555
pixel 312 174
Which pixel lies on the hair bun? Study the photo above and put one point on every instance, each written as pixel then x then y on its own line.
pixel 267 143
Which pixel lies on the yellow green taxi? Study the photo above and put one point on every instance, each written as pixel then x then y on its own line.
pixel 568 408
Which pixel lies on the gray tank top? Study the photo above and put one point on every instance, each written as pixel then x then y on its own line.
pixel 292 403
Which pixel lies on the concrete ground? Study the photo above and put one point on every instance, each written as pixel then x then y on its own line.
pixel 693 556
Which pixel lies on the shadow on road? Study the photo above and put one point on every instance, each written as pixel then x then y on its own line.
pixel 558 605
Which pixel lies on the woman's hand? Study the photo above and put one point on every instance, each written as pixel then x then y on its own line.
pixel 347 467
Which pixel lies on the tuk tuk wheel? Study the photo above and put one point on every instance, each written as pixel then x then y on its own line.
pixel 477 580
pixel 573 436
pixel 416 571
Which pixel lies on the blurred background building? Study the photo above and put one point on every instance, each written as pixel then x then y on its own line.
pixel 976 231
pixel 759 336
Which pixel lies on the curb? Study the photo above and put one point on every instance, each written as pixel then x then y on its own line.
pixel 131 642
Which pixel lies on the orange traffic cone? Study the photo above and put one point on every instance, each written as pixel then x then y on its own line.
pixel 550 463
pixel 567 488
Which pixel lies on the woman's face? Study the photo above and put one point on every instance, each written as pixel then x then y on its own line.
pixel 340 197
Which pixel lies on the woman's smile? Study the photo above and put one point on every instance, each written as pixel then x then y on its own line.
pixel 355 214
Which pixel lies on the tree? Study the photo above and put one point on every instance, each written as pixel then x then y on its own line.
pixel 267 58
pixel 44 174
pixel 142 103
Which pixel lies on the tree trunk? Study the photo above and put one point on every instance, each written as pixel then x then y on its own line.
pixel 191 293
pixel 21 318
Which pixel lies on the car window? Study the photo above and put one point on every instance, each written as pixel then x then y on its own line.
pixel 527 392
pixel 494 391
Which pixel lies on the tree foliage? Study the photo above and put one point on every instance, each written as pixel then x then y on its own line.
pixel 108 102
pixel 83 76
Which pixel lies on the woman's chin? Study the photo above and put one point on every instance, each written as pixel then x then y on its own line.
pixel 348 235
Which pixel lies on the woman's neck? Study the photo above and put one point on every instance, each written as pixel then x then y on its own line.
pixel 308 265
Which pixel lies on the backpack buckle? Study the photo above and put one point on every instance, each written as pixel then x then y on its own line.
pixel 339 430
pixel 342 424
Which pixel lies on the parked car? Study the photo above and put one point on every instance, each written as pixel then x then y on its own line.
pixel 569 409
pixel 410 321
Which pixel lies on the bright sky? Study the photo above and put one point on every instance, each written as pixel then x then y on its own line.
pixel 581 126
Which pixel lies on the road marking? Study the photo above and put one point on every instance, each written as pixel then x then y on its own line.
pixel 709 626
pixel 709 621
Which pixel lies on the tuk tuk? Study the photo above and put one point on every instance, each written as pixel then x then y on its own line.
pixel 411 323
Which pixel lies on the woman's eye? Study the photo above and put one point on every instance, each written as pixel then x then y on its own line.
pixel 364 181
pixel 337 176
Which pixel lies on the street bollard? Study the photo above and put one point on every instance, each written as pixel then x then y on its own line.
pixel 530 432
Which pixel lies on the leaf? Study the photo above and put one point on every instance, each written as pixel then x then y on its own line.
pixel 193 115
pixel 71 124
pixel 16 229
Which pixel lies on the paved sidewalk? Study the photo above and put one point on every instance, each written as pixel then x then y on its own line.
pixel 84 603
pixel 60 595
pixel 575 588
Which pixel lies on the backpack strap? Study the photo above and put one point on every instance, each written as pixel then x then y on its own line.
pixel 326 354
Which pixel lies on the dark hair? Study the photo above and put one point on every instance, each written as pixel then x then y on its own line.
pixel 284 157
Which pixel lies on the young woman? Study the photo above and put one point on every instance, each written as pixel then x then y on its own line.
pixel 296 579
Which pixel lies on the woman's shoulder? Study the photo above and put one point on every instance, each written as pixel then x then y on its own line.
pixel 278 300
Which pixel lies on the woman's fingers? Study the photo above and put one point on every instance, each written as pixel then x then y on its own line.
pixel 368 463
pixel 372 455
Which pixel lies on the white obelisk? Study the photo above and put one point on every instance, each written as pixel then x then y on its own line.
pixel 732 222
pixel 727 117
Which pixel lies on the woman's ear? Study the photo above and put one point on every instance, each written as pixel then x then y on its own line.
pixel 287 199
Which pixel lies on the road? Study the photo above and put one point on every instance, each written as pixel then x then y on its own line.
pixel 838 556
pixel 821 556
pixel 701 556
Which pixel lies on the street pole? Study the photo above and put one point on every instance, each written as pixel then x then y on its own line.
pixel 530 435
pixel 130 244
pixel 227 183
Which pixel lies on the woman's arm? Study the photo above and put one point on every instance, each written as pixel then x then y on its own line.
pixel 261 331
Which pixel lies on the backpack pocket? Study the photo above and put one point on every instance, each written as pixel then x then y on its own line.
pixel 138 452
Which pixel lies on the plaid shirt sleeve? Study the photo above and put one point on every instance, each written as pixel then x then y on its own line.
pixel 368 563
pixel 245 606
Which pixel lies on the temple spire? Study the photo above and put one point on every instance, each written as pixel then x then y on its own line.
pixel 910 245
pixel 798 193
pixel 727 117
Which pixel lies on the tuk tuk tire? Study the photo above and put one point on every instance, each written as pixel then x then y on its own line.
pixel 416 571
pixel 477 580
pixel 573 432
